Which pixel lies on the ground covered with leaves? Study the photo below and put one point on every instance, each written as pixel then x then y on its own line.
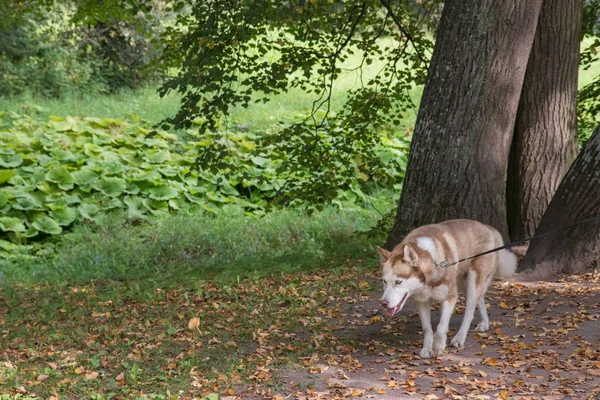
pixel 314 335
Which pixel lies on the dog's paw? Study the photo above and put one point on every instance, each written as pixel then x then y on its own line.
pixel 483 326
pixel 426 353
pixel 439 345
pixel 458 340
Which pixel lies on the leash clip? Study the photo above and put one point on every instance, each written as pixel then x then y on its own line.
pixel 442 264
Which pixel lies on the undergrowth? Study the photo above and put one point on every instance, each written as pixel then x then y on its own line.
pixel 229 245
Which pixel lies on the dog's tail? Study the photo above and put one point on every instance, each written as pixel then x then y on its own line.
pixel 507 260
pixel 507 264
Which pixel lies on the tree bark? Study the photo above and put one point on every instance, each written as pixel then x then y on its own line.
pixel 576 249
pixel 545 139
pixel 460 147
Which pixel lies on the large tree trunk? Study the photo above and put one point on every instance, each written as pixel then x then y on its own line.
pixel 545 137
pixel 460 147
pixel 577 198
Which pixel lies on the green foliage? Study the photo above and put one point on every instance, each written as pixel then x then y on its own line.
pixel 51 53
pixel 240 52
pixel 589 96
pixel 38 56
pixel 228 243
pixel 79 169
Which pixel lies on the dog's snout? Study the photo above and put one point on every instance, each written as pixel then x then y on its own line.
pixel 384 302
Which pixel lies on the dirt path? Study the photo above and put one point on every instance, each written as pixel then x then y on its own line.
pixel 543 343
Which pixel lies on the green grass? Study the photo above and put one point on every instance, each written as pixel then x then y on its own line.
pixel 124 338
pixel 145 102
pixel 229 244
pixel 107 315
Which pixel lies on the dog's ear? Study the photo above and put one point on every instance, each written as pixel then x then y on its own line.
pixel 410 256
pixel 383 254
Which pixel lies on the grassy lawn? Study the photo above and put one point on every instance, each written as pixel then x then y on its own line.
pixel 261 291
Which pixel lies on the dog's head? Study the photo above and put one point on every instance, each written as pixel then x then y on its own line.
pixel 401 276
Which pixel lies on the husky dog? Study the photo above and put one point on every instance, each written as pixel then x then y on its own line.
pixel 409 271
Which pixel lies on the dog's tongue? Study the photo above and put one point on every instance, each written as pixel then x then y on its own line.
pixel 392 311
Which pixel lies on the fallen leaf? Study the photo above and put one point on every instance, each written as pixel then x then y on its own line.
pixel 91 375
pixel 120 377
pixel 42 377
pixel 194 323
pixel 490 361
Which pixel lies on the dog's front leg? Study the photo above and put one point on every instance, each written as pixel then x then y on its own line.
pixel 439 340
pixel 424 309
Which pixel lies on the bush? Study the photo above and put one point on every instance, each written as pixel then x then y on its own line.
pixel 47 54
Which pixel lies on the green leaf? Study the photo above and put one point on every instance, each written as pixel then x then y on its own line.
pixel 11 224
pixel 157 157
pixel 10 160
pixel 27 203
pixel 88 210
pixel 64 216
pixel 47 225
pixel 61 177
pixel 8 246
pixel 227 189
pixel 162 192
pixel 85 177
pixel 3 200
pixel 136 208
pixel 111 187
pixel 6 174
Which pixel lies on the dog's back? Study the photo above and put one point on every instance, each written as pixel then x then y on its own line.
pixel 457 239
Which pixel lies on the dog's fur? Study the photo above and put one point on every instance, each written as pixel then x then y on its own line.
pixel 409 271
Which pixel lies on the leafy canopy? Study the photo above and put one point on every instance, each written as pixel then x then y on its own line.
pixel 236 52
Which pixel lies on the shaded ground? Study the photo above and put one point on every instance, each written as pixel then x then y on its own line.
pixel 544 342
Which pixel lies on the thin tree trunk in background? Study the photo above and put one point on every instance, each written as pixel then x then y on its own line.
pixel 545 138
pixel 460 147
pixel 576 249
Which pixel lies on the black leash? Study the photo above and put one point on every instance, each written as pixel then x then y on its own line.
pixel 445 264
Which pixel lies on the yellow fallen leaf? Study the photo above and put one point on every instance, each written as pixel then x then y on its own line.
pixel 91 375
pixel 595 372
pixel 194 323
pixel 483 374
pixel 356 392
pixel 490 361
pixel 504 305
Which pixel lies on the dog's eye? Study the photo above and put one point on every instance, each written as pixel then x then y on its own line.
pixel 398 282
pixel 383 281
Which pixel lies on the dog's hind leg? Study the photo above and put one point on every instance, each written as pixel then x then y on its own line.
pixel 484 325
pixel 425 315
pixel 472 298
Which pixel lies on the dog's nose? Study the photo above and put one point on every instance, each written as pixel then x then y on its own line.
pixel 384 302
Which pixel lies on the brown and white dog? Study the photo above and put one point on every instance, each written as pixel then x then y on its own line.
pixel 409 271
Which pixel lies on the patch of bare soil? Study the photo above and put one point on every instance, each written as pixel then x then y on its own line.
pixel 543 343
